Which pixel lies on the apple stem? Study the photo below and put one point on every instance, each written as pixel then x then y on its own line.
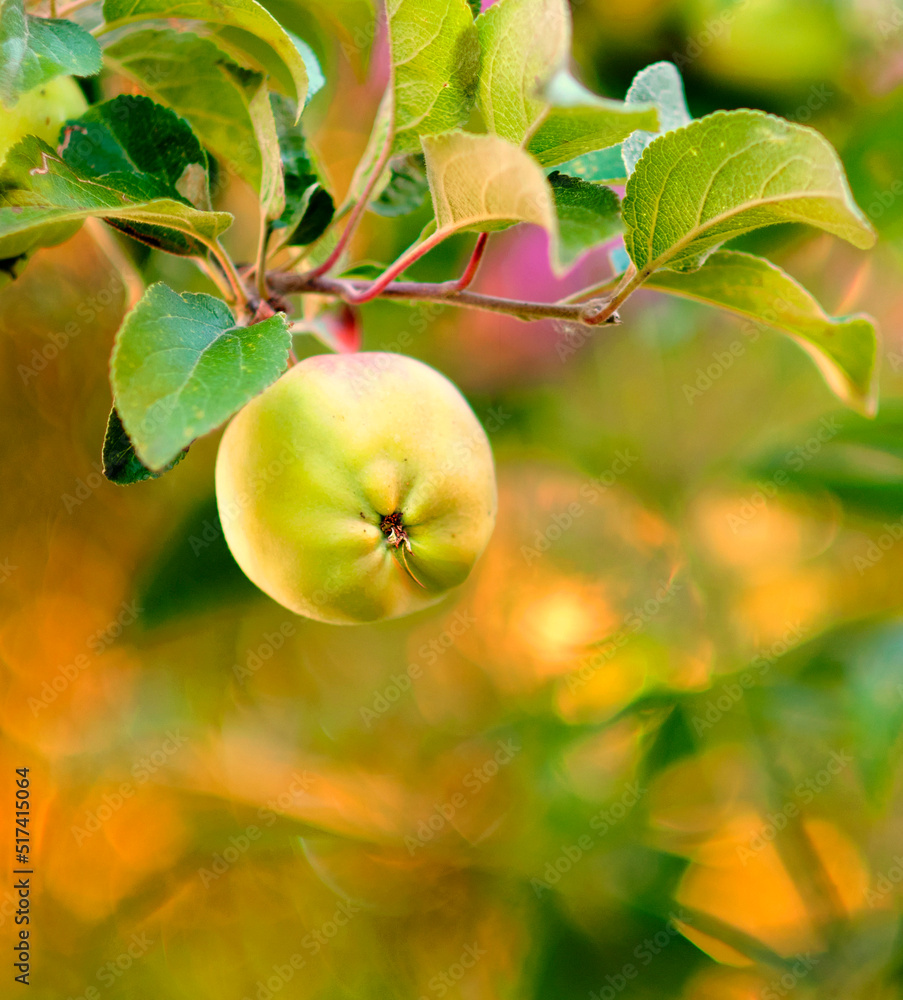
pixel 404 562
pixel 392 526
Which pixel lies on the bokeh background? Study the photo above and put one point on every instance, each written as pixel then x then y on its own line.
pixel 651 749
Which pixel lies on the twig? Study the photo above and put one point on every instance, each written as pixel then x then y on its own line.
pixel 602 311
pixel 261 266
pixel 410 256
pixel 447 291
pixel 357 211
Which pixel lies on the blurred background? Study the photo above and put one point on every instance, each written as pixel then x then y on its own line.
pixel 651 749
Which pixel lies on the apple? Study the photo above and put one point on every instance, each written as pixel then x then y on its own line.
pixel 41 112
pixel 358 487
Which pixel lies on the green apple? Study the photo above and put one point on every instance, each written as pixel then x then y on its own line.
pixel 357 487
pixel 41 112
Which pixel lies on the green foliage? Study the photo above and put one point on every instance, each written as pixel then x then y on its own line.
pixel 180 367
pixel 195 78
pixel 233 83
pixel 245 27
pixel 860 465
pixel 605 166
pixel 434 72
pixel 527 95
pixel 588 214
pixel 775 518
pixel 845 348
pixel 406 189
pixel 661 85
pixel 727 174
pixel 44 200
pixel 483 183
pixel 309 207
pixel 33 50
pixel 121 465
pixel 576 121
pixel 523 42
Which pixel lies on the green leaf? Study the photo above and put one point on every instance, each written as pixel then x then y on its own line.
pixel 180 367
pixel 588 214
pixel 528 96
pixel 435 57
pixel 139 145
pixel 661 85
pixel 272 181
pixel 605 166
pixel 844 348
pixel 483 183
pixel 576 121
pixel 43 201
pixel 309 207
pixel 524 43
pixel 145 151
pixel 406 189
pixel 193 77
pixel 435 62
pixel 727 174
pixel 120 463
pixel 246 26
pixel 350 22
pixel 34 50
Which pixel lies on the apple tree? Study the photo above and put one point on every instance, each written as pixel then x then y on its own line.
pixel 483 116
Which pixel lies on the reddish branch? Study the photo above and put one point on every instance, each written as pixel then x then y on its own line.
pixel 590 313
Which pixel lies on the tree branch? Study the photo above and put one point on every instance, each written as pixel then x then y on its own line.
pixel 590 313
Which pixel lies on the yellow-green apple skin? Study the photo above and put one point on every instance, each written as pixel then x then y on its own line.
pixel 41 112
pixel 356 488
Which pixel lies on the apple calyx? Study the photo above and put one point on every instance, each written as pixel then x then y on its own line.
pixel 392 526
